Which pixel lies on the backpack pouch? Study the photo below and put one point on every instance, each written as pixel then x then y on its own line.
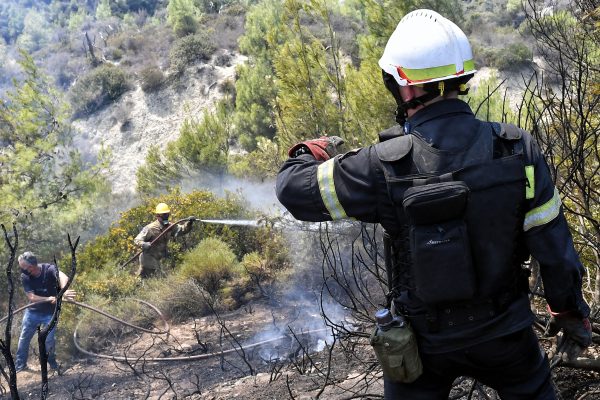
pixel 439 242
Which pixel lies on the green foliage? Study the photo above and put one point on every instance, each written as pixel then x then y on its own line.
pixel 256 87
pixel 183 16
pixel 190 49
pixel 41 173
pixel 514 6
pixel 12 17
pixel 383 16
pixel 371 107
pixel 488 102
pixel 305 107
pixel 264 161
pixel 178 298
pixel 122 7
pixel 99 87
pixel 263 32
pixel 116 247
pixel 36 32
pixel 255 92
pixel 77 19
pixel 107 281
pixel 263 268
pixel 103 10
pixel 151 78
pixel 209 264
pixel 514 56
pixel 201 146
pixel 511 57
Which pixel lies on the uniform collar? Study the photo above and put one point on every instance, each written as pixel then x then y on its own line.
pixel 439 109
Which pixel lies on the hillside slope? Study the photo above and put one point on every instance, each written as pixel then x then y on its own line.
pixel 129 126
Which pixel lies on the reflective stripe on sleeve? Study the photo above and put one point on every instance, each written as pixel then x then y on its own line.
pixel 530 185
pixel 543 214
pixel 327 189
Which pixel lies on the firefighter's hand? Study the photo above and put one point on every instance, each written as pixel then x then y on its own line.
pixel 146 246
pixel 576 336
pixel 322 149
pixel 191 219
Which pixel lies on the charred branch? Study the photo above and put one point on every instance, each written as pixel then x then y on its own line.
pixel 43 333
pixel 11 376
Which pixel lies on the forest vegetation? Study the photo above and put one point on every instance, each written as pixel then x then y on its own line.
pixel 311 70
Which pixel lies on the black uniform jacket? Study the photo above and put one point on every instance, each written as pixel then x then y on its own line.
pixel 353 186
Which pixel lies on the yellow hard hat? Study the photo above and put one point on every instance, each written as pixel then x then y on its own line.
pixel 162 208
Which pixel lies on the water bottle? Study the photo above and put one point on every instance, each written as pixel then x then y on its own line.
pixel 396 348
pixel 385 320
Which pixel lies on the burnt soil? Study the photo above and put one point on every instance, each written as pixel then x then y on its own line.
pixel 284 369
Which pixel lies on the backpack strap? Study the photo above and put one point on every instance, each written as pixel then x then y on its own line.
pixel 394 149
pixel 507 139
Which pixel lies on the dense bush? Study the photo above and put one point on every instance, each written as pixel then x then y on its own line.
pixel 109 251
pixel 510 57
pixel 177 298
pixel 513 56
pixel 209 264
pixel 99 87
pixel 151 78
pixel 190 49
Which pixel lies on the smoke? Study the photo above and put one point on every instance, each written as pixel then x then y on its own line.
pixel 301 322
pixel 305 311
pixel 260 195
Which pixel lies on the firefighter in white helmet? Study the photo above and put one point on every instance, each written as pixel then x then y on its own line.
pixel 464 203
pixel 154 250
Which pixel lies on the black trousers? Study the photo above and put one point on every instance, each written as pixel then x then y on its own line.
pixel 513 365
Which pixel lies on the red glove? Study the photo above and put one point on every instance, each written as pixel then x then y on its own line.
pixel 322 149
pixel 576 336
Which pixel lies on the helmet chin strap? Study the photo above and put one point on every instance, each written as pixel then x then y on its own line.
pixel 404 106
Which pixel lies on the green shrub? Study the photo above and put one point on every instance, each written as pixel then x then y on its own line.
pixel 152 78
pixel 178 298
pixel 209 264
pixel 97 332
pixel 106 281
pixel 513 56
pixel 99 87
pixel 190 49
pixel 115 54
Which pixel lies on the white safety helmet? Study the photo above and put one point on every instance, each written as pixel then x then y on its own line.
pixel 426 47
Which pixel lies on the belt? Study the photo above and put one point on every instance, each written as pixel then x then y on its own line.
pixel 449 316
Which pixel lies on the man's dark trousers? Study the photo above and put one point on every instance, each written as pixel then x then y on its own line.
pixel 513 365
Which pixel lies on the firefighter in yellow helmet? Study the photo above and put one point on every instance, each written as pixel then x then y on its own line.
pixel 154 250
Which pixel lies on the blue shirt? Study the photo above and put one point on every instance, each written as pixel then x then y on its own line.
pixel 44 285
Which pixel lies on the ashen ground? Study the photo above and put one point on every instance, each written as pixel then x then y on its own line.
pixel 297 376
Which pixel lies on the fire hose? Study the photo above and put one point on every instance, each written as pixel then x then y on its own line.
pixel 168 229
pixel 107 315
pixel 206 221
pixel 156 332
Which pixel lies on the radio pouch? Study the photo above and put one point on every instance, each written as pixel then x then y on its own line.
pixel 439 242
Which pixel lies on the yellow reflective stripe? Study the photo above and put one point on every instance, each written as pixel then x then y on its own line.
pixel 469 65
pixel 327 189
pixel 543 214
pixel 530 184
pixel 422 74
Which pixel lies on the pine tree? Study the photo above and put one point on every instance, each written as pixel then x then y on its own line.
pixel 103 10
pixel 183 16
pixel 41 173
